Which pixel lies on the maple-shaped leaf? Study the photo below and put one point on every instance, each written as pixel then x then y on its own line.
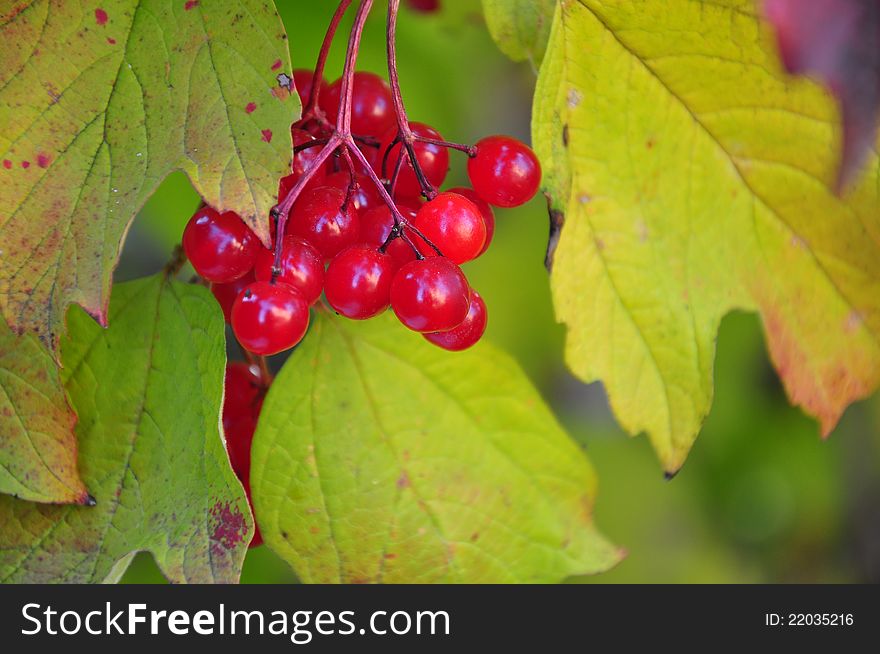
pixel 99 101
pixel 147 392
pixel 837 41
pixel 690 175
pixel 37 443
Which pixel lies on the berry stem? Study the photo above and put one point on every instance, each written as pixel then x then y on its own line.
pixel 469 150
pixel 405 133
pixel 311 109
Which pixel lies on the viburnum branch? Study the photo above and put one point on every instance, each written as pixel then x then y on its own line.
pixel 309 144
pixel 469 150
pixel 352 180
pixel 405 133
pixel 312 110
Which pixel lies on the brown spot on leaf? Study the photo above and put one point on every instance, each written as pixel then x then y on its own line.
pixel 43 160
pixel 403 480
pixel 100 16
pixel 565 135
pixel 276 65
pixel 267 135
pixel 649 143
pixel 557 220
pixel 111 40
pixel 7 164
pixel 25 164
pixel 250 108
pixel 190 4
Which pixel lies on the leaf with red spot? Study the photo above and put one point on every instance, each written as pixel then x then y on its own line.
pixel 99 102
pixel 37 443
pixel 147 392
pixel 837 41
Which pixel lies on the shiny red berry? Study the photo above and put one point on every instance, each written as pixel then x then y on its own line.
pixel 318 217
pixel 454 225
pixel 301 267
pixel 364 196
pixel 505 172
pixel 376 225
pixel 430 295
pixel 225 294
pixel 243 392
pixel 485 211
pixel 433 159
pixel 219 245
pixel 468 332
pixel 372 110
pixel 358 283
pixel 269 318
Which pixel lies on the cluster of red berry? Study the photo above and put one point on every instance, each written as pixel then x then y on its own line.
pixel 368 239
pixel 340 218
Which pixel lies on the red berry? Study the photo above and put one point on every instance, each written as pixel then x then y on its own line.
pixel 269 318
pixel 430 295
pixel 225 294
pixel 358 282
pixel 434 160
pixel 239 436
pixel 220 246
pixel 364 197
pixel 317 216
pixel 243 392
pixel 376 225
pixel 454 225
pixel 301 267
pixel 505 172
pixel 485 211
pixel 372 110
pixel 302 80
pixel 468 332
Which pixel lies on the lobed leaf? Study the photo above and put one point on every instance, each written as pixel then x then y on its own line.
pixel 689 175
pixel 37 442
pixel 381 458
pixel 147 392
pixel 99 102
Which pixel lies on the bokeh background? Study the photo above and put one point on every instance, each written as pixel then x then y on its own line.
pixel 761 499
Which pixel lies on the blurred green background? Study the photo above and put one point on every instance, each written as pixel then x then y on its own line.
pixel 761 499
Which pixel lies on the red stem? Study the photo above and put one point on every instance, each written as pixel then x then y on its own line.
pixel 318 75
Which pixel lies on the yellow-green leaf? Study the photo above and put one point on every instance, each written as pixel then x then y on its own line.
pixel 693 178
pixel 381 458
pixel 520 27
pixel 99 101
pixel 147 392
pixel 37 443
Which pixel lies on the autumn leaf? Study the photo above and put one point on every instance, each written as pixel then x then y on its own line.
pixel 381 458
pixel 839 42
pixel 147 392
pixel 99 101
pixel 692 176
pixel 37 443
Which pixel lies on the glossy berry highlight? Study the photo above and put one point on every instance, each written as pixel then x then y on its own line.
pixel 219 245
pixel 269 318
pixel 504 172
pixel 358 282
pixel 430 295
pixel 454 225
pixel 302 267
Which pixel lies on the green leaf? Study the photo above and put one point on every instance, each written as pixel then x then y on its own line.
pixel 521 28
pixel 381 458
pixel 693 178
pixel 147 392
pixel 37 443
pixel 99 102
